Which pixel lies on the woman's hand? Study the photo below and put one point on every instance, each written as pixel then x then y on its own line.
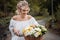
pixel 17 32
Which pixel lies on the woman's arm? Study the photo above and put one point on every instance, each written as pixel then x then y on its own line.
pixel 11 26
pixel 12 29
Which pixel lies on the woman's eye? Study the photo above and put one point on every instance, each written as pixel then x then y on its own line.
pixel 25 10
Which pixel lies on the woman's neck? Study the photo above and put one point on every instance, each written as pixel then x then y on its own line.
pixel 23 16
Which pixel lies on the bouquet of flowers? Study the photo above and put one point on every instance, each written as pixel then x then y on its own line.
pixel 34 31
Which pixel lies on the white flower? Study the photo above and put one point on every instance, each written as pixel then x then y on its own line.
pixel 44 29
pixel 41 26
pixel 38 29
pixel 37 34
pixel 32 31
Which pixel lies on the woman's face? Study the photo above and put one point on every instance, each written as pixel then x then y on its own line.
pixel 24 10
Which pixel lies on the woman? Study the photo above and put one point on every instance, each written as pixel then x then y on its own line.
pixel 21 21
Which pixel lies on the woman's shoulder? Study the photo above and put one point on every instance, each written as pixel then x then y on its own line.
pixel 15 17
pixel 29 16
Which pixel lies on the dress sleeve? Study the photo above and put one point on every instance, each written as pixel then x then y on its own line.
pixel 34 21
pixel 11 26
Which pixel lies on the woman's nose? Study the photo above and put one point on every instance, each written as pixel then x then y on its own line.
pixel 25 11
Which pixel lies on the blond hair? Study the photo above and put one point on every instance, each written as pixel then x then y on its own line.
pixel 20 4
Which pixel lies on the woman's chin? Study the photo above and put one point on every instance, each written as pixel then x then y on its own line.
pixel 24 14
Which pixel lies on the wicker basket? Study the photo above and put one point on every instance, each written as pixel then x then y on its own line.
pixel 33 38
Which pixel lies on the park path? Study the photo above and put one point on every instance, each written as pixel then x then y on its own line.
pixel 49 35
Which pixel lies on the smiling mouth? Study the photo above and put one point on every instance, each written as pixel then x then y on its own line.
pixel 24 13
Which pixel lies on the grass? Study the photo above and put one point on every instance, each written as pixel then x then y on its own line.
pixel 39 17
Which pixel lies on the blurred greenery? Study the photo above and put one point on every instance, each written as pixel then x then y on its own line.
pixel 4 22
pixel 39 17
pixel 56 14
pixel 37 7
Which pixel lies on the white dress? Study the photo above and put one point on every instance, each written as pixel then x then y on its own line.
pixel 20 25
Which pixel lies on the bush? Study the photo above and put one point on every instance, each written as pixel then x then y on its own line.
pixel 4 22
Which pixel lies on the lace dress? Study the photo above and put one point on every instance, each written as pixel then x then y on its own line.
pixel 20 25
